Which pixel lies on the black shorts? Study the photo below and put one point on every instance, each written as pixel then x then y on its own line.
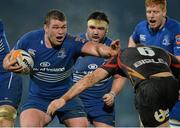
pixel 154 99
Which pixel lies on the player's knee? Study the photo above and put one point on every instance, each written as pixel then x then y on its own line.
pixel 7 112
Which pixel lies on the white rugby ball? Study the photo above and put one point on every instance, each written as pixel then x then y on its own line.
pixel 24 59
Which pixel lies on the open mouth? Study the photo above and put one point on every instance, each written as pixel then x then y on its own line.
pixel 59 38
pixel 95 37
pixel 152 21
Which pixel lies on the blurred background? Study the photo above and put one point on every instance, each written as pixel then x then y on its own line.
pixel 21 16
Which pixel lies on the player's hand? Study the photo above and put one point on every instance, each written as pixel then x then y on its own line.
pixel 108 99
pixel 11 64
pixel 115 46
pixel 54 105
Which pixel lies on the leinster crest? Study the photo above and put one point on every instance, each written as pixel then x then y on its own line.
pixel 62 53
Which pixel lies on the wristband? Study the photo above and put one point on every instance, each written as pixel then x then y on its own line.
pixel 112 93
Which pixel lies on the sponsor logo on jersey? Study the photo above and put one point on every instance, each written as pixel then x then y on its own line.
pixel 92 66
pixel 146 61
pixel 161 115
pixel 45 64
pixel 62 53
pixel 178 39
pixel 142 37
pixel 166 40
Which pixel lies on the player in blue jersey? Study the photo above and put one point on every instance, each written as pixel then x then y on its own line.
pixel 99 99
pixel 156 89
pixel 10 86
pixel 162 31
pixel 54 53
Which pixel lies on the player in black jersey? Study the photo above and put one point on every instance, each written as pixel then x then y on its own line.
pixel 148 68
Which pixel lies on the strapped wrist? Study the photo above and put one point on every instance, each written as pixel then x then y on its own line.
pixel 112 93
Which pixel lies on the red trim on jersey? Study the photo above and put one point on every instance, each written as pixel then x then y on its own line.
pixel 109 64
pixel 176 65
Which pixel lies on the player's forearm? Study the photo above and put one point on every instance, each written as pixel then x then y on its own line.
pixel 118 84
pixel 80 86
pixel 86 82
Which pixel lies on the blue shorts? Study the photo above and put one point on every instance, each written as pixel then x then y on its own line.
pixel 72 109
pixel 175 112
pixel 100 113
pixel 11 89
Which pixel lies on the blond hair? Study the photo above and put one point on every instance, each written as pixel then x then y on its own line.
pixel 162 3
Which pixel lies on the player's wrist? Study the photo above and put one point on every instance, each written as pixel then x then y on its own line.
pixel 112 93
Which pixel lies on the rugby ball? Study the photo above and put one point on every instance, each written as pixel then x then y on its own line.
pixel 24 59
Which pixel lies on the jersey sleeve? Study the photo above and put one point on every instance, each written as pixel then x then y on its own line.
pixel 112 67
pixel 22 42
pixel 135 35
pixel 78 44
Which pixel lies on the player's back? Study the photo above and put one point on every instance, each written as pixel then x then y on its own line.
pixel 145 61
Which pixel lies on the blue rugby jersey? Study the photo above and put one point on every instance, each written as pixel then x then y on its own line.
pixel 52 75
pixel 4 47
pixel 85 65
pixel 168 37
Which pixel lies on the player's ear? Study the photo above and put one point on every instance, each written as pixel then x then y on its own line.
pixel 45 27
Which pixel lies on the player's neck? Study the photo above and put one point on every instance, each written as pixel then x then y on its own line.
pixel 47 42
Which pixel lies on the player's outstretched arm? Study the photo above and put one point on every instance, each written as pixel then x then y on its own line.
pixel 98 49
pixel 77 88
pixel 11 64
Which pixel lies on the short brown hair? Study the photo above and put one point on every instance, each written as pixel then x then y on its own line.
pixel 162 3
pixel 54 14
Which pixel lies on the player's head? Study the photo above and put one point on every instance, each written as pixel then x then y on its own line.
pixel 97 26
pixel 156 13
pixel 55 26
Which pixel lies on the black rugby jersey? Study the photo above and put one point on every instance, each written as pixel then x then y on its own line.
pixel 139 63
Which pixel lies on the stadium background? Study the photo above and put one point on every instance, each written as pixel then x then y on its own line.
pixel 21 16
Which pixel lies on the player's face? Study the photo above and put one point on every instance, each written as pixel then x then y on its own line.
pixel 56 32
pixel 155 16
pixel 96 33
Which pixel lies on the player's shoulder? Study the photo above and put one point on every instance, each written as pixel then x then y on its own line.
pixel 142 23
pixel 34 34
pixel 172 24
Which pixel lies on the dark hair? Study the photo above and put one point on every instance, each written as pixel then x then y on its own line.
pixel 97 15
pixel 54 14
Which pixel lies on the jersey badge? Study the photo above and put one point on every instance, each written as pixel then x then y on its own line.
pixel 166 41
pixel 62 53
pixel 142 37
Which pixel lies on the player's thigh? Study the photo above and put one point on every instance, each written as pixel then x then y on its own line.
pixel 76 122
pixel 73 114
pixel 33 117
pixel 101 115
